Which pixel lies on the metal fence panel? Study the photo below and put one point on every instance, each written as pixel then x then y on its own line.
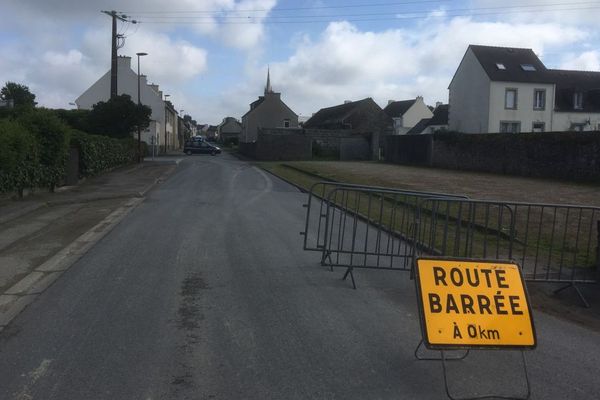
pixel 552 243
pixel 362 226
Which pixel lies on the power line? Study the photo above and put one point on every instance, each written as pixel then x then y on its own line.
pixel 245 17
pixel 415 15
pixel 396 3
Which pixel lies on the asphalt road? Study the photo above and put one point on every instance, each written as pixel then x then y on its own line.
pixel 204 292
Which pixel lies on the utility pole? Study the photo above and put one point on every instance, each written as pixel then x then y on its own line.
pixel 114 47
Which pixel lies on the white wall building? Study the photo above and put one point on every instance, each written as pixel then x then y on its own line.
pixel 498 89
pixel 407 113
pixel 127 83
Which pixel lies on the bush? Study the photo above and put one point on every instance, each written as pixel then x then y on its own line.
pixel 51 136
pixel 19 165
pixel 34 148
pixel 99 153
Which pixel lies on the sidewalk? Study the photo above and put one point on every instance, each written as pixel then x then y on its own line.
pixel 45 233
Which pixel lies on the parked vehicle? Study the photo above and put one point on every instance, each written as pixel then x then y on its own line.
pixel 200 147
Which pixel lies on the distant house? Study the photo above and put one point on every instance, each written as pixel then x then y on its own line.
pixel 212 132
pixel 150 95
pixel 229 130
pixel 269 111
pixel 407 113
pixel 172 139
pixel 510 90
pixel 439 122
pixel 358 116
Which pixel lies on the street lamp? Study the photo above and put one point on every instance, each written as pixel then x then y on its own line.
pixel 139 103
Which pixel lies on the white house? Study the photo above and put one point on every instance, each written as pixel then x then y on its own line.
pixel 127 83
pixel 499 89
pixel 407 113
pixel 439 121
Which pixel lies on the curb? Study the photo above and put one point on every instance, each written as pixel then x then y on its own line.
pixel 24 292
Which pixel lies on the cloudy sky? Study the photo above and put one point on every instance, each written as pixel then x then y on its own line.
pixel 211 56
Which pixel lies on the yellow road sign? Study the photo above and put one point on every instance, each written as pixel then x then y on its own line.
pixel 473 304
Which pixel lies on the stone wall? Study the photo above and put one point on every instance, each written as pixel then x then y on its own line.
pixel 563 155
pixel 278 147
pixel 304 144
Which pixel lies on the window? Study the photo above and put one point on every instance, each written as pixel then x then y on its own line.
pixel 510 99
pixel 286 123
pixel 527 67
pixel 539 99
pixel 578 101
pixel 538 127
pixel 510 127
pixel 500 66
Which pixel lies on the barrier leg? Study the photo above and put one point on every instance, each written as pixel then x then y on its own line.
pixel 349 272
pixel 579 294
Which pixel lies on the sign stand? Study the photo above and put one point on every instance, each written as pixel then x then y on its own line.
pixel 527 395
pixel 467 304
pixel 441 358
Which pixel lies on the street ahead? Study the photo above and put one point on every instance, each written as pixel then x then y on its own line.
pixel 204 292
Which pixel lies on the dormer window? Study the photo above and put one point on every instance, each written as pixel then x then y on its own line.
pixel 500 66
pixel 527 67
pixel 578 100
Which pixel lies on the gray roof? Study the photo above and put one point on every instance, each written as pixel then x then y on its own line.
pixel 513 60
pixel 419 127
pixel 334 116
pixel 440 115
pixel 397 109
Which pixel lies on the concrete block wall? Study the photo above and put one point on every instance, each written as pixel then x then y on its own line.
pixel 561 155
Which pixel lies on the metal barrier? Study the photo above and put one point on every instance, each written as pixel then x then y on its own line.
pixel 357 226
pixel 551 242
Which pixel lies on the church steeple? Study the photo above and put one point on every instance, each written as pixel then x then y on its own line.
pixel 268 88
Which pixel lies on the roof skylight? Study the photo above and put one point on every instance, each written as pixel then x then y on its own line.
pixel 500 66
pixel 527 67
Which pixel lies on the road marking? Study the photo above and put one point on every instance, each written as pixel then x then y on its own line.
pixel 34 376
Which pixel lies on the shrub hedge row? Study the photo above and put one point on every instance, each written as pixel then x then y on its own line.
pixel 34 147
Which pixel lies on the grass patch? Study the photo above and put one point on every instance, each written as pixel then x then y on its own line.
pixel 544 240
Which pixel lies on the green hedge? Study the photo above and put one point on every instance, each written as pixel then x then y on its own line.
pixel 100 153
pixel 19 160
pixel 34 149
pixel 52 142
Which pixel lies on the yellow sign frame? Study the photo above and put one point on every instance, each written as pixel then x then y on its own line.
pixel 473 304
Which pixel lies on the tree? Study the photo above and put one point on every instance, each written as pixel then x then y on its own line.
pixel 19 94
pixel 118 117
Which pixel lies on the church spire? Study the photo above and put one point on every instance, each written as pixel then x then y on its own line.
pixel 268 88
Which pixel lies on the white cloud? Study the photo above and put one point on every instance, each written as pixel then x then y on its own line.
pixel 586 61
pixel 242 27
pixel 169 62
pixel 346 63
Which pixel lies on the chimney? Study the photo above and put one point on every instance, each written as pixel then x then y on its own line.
pixel 419 98
pixel 347 101
pixel 123 62
pixel 438 103
pixel 143 80
pixel 154 87
pixel 390 102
